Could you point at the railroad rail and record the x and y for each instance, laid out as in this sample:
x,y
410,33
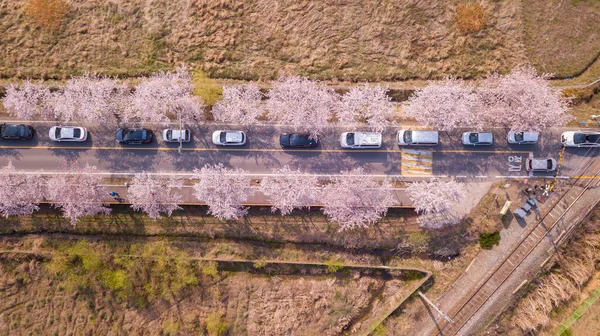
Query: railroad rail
x,y
517,255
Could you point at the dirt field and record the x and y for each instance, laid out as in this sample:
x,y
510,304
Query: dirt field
x,y
257,300
260,39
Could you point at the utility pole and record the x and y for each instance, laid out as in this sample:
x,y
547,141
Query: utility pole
x,y
446,317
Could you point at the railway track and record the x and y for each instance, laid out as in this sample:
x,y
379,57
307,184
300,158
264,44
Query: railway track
x,y
503,270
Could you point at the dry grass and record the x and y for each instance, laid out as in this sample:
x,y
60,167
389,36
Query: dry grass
x,y
353,40
47,14
561,36
470,17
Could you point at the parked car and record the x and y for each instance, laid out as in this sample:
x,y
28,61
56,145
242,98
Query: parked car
x,y
360,140
522,138
16,132
229,138
543,165
173,135
580,139
477,138
134,136
68,133
297,140
418,138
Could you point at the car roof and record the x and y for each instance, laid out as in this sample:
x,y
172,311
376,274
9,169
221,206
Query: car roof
x,y
539,163
233,136
485,137
367,138
425,136
530,136
67,132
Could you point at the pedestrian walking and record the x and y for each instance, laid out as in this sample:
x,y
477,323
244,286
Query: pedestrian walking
x,y
114,194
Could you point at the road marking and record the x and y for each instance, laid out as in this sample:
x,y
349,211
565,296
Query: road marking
x,y
416,162
202,149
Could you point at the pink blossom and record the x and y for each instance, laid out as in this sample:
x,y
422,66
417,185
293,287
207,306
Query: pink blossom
x,y
19,193
223,190
240,105
369,104
154,194
289,189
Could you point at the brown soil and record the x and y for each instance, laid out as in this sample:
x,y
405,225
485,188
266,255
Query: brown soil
x,y
252,39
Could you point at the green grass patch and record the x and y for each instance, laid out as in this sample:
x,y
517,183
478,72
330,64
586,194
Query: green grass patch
x,y
488,240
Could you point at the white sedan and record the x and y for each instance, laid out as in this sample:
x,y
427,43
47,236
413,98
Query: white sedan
x,y
173,135
580,139
68,133
477,138
229,138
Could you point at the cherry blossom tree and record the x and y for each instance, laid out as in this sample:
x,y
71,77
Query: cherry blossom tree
x,y
524,100
240,104
155,194
369,104
223,190
27,100
88,98
288,189
354,200
162,96
435,196
77,192
20,193
446,105
301,103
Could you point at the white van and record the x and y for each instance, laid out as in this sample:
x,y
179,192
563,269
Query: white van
x,y
418,138
360,140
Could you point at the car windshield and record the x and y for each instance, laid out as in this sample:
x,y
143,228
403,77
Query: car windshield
x,y
579,138
223,137
407,137
549,164
169,135
473,137
76,133
57,132
519,136
350,139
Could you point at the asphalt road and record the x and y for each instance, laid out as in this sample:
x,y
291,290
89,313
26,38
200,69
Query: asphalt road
x,y
262,153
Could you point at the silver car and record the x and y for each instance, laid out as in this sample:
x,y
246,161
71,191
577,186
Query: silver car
x,y
544,165
229,138
477,138
522,138
68,133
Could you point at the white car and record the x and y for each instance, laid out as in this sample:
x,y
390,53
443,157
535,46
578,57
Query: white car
x,y
580,139
229,138
173,135
358,140
68,133
477,138
522,138
545,165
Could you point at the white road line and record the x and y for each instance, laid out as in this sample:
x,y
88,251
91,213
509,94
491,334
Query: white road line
x,y
243,174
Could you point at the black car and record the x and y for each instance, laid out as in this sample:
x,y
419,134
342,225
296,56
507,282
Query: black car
x,y
295,140
134,136
16,132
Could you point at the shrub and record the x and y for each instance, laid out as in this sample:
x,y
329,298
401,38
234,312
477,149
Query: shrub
x,y
215,326
206,88
334,265
470,17
211,269
47,14
488,240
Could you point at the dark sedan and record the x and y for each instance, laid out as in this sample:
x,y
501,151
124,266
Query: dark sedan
x,y
134,136
295,140
16,132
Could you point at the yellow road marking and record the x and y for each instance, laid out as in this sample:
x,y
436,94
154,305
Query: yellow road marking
x,y
418,155
199,149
